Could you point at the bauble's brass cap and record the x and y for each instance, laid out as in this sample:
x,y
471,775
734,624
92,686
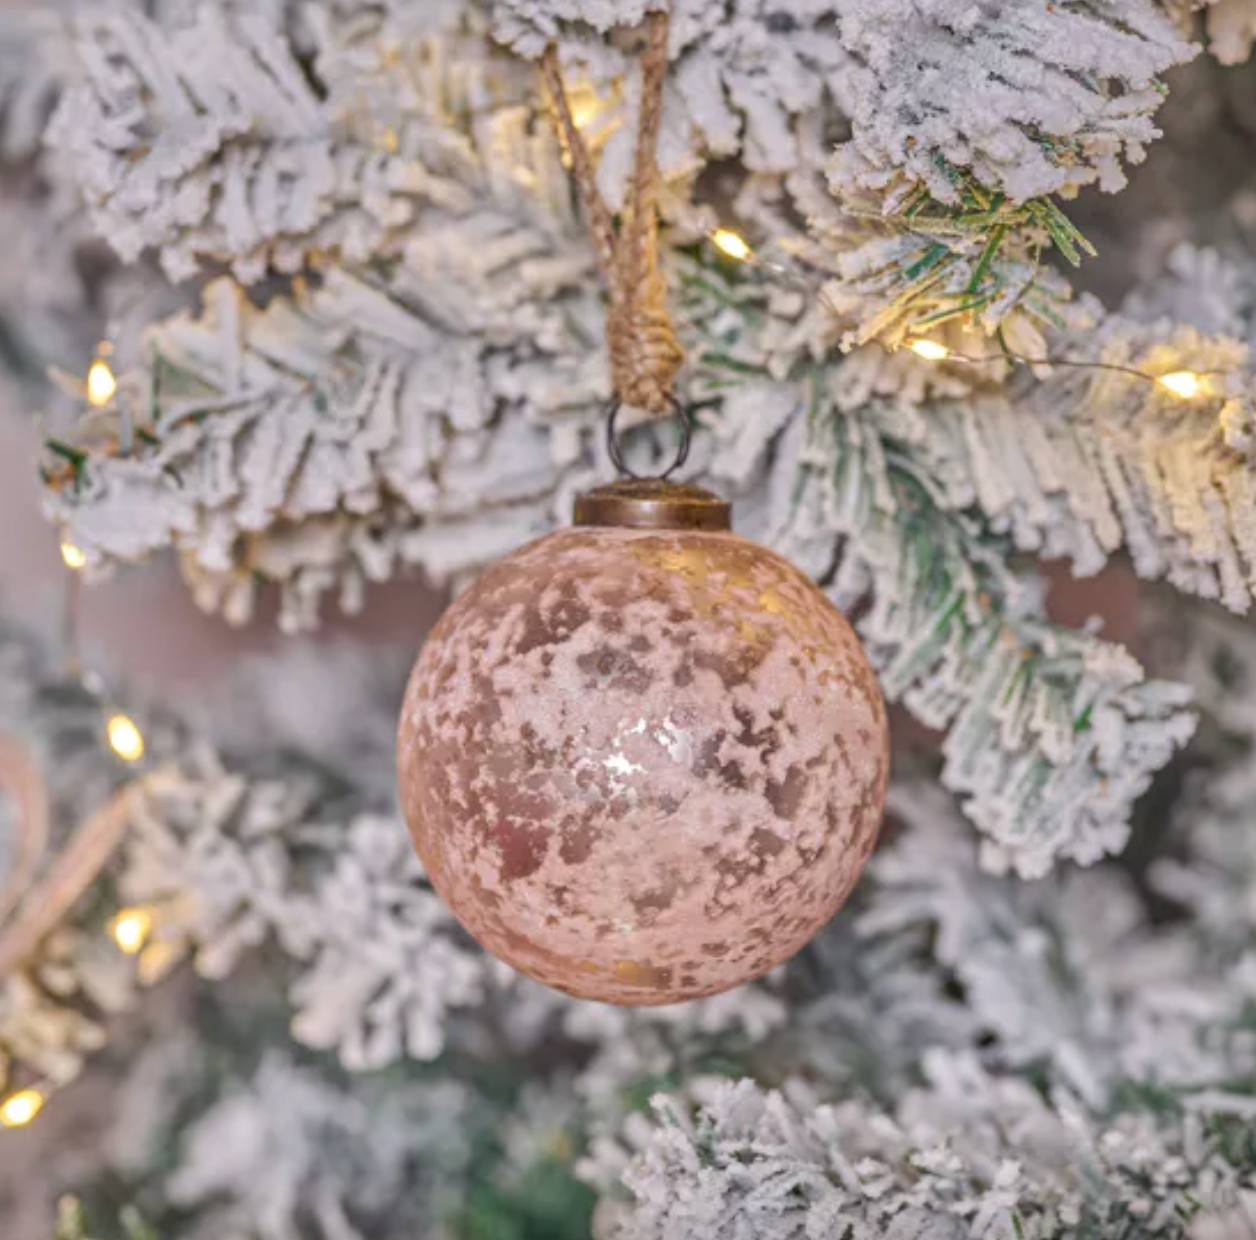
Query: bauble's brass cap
x,y
652,504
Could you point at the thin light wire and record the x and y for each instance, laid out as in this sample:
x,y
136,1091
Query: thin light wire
x,y
71,625
1074,363
753,259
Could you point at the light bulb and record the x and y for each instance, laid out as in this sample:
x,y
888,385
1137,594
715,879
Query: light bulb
x,y
585,109
17,1110
101,385
730,244
125,739
75,557
930,350
131,928
1184,383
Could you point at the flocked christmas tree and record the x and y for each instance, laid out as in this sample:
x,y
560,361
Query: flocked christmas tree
x,y
354,323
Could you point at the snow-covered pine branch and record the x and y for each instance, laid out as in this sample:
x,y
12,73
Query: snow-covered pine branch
x,y
1032,99
305,442
224,137
744,73
1064,981
228,862
917,276
203,143
1082,458
277,1148
270,164
969,1155
1104,459
1052,733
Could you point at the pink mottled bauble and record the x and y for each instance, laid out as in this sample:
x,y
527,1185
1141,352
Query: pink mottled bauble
x,y
643,760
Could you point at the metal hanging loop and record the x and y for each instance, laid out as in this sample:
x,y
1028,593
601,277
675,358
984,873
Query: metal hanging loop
x,y
679,412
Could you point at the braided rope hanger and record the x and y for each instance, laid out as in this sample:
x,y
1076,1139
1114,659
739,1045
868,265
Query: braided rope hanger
x,y
645,354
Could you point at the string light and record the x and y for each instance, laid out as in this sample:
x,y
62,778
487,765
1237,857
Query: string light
x,y
17,1110
930,350
74,556
131,928
585,108
731,244
86,853
125,738
1184,383
101,385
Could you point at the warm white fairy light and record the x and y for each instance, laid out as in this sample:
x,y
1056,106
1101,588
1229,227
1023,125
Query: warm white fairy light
x,y
73,555
131,928
585,108
1184,383
930,350
125,738
101,385
17,1110
731,244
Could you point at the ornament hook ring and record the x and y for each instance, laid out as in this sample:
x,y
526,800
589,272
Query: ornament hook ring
x,y
682,415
